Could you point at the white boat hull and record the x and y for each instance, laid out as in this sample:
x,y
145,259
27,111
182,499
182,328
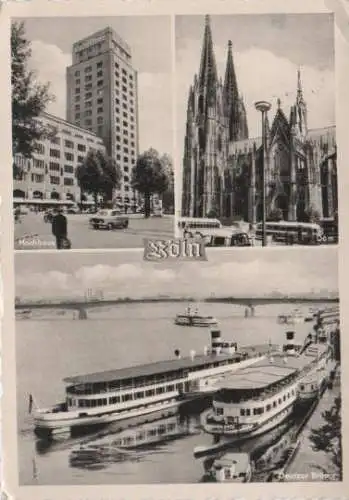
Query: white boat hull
x,y
234,434
195,321
46,427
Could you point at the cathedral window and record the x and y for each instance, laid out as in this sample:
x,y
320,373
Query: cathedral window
x,y
201,104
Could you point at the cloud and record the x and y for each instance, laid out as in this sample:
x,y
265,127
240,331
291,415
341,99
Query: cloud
x,y
260,75
50,62
155,111
253,276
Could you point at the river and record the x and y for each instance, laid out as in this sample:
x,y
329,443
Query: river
x,y
52,345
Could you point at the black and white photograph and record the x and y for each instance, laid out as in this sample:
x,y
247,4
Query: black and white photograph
x,y
92,131
224,371
256,129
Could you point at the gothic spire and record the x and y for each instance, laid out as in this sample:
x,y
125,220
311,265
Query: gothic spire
x,y
299,87
230,82
208,70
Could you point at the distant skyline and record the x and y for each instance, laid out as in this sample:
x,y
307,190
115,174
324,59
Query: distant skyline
x,y
226,273
52,40
268,50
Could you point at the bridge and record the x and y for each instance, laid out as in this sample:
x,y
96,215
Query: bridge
x,y
82,306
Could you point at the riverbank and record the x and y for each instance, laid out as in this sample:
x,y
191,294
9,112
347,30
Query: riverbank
x,y
308,465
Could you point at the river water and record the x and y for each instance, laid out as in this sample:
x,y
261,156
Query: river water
x,y
52,345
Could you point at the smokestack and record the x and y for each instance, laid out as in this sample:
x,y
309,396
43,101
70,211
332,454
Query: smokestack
x,y
177,353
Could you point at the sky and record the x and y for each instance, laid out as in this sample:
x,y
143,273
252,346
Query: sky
x,y
267,50
150,42
125,274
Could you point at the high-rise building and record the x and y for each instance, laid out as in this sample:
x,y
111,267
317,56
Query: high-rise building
x,y
102,97
222,166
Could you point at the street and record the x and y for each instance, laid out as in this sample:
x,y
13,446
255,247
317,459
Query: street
x,y
32,233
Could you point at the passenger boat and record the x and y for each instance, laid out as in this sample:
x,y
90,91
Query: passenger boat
x,y
230,468
100,398
258,398
192,318
294,317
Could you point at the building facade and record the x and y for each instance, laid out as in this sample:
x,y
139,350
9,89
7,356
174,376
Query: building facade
x,y
50,173
222,166
102,97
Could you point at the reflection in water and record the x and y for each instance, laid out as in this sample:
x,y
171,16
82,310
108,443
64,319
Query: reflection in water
x,y
134,444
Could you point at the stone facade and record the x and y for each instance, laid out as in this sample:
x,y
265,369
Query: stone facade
x,y
222,167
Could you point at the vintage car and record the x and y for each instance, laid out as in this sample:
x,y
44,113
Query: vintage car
x,y
109,219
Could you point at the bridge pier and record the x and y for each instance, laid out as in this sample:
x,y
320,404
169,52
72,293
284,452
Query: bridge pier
x,y
82,313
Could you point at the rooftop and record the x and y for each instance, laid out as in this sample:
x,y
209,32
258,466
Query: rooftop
x,y
269,371
157,368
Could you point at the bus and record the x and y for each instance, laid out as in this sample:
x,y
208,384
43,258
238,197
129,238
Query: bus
x,y
213,232
292,232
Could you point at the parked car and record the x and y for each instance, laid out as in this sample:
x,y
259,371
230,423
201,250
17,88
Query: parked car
x,y
109,219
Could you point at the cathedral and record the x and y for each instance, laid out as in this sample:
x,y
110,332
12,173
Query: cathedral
x,y
222,166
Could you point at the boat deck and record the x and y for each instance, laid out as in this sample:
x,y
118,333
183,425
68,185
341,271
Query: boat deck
x,y
162,367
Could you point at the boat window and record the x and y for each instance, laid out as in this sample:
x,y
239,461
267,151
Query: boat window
x,y
219,411
268,407
284,398
248,412
159,390
114,399
150,393
170,388
280,401
242,412
274,404
139,395
127,397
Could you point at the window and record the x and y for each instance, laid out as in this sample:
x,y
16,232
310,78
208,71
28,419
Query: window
x,y
77,117
100,119
88,69
77,107
126,188
242,412
100,130
130,77
88,78
126,150
77,98
54,180
126,169
88,104
124,96
88,123
39,163
80,159
100,83
99,110
117,101
55,153
124,72
55,140
124,114
118,129
114,399
117,65
118,138
88,95
99,74
69,156
88,112
131,110
81,147
125,123
68,181
126,159
124,88
88,86
77,73
118,157
100,64
100,100
68,169
124,79
126,141
77,90
69,144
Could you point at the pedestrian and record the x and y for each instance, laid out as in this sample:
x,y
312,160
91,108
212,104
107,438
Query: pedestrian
x,y
59,228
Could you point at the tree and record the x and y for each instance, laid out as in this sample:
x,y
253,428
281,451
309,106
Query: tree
x,y
149,177
29,99
328,438
98,175
168,196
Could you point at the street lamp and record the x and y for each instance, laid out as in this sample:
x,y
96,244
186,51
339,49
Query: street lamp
x,y
263,107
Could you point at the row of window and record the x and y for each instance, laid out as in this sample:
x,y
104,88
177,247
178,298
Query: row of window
x,y
91,403
99,65
246,412
66,181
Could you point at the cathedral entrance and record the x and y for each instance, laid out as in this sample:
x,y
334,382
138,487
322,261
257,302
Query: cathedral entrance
x,y
281,204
